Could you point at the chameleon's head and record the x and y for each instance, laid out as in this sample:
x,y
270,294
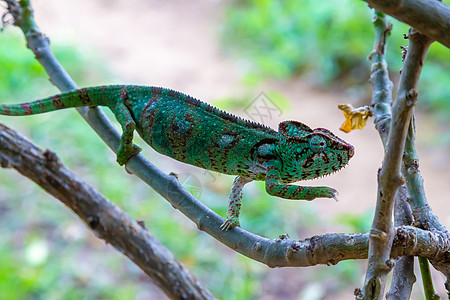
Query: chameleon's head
x,y
307,153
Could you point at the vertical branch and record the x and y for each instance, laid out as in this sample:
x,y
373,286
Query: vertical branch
x,y
389,177
423,215
403,276
381,107
379,78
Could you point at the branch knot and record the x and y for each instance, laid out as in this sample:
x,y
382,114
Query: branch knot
x,y
411,97
378,234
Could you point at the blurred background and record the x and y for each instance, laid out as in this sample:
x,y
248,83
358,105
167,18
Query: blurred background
x,y
265,60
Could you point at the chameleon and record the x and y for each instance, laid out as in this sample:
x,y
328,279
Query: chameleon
x,y
194,132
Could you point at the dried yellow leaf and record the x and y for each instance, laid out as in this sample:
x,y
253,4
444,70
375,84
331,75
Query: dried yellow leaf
x,y
355,118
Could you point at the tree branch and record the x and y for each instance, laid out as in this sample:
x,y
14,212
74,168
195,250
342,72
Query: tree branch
x,y
430,17
100,215
393,134
379,78
381,234
423,214
403,276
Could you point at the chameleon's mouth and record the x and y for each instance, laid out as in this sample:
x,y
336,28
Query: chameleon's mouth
x,y
351,151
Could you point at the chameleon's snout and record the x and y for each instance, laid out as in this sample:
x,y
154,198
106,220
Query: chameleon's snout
x,y
351,151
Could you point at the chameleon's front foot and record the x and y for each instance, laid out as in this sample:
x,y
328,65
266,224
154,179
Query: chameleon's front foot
x,y
123,155
229,224
330,193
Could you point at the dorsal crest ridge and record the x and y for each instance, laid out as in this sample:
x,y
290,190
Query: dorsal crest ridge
x,y
224,115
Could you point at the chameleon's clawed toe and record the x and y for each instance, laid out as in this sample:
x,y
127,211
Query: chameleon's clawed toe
x,y
229,224
335,196
332,193
135,150
121,160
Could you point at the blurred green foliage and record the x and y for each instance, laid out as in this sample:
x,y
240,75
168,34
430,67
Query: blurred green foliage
x,y
355,223
329,41
21,76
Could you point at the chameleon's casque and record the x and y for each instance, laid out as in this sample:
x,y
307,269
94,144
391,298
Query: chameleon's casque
x,y
199,134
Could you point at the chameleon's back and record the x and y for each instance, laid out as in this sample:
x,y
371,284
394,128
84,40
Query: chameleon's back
x,y
196,133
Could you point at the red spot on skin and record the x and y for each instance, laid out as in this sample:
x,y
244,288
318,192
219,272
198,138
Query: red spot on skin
x,y
27,110
84,97
296,192
325,158
272,177
148,118
270,185
317,173
41,106
6,109
57,102
124,95
309,161
156,91
173,94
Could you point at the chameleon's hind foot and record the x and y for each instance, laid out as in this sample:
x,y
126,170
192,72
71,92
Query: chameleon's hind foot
x,y
229,224
123,155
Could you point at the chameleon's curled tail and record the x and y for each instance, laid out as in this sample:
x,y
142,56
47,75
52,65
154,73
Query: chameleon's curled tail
x,y
77,98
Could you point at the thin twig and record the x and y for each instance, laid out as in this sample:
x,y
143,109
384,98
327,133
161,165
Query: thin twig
x,y
403,276
379,78
428,288
423,214
414,183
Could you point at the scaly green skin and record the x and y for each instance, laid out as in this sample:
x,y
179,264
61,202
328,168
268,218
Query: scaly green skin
x,y
196,133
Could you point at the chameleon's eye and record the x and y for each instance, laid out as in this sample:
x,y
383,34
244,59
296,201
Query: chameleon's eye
x,y
317,144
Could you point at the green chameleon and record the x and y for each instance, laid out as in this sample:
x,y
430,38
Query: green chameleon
x,y
199,134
